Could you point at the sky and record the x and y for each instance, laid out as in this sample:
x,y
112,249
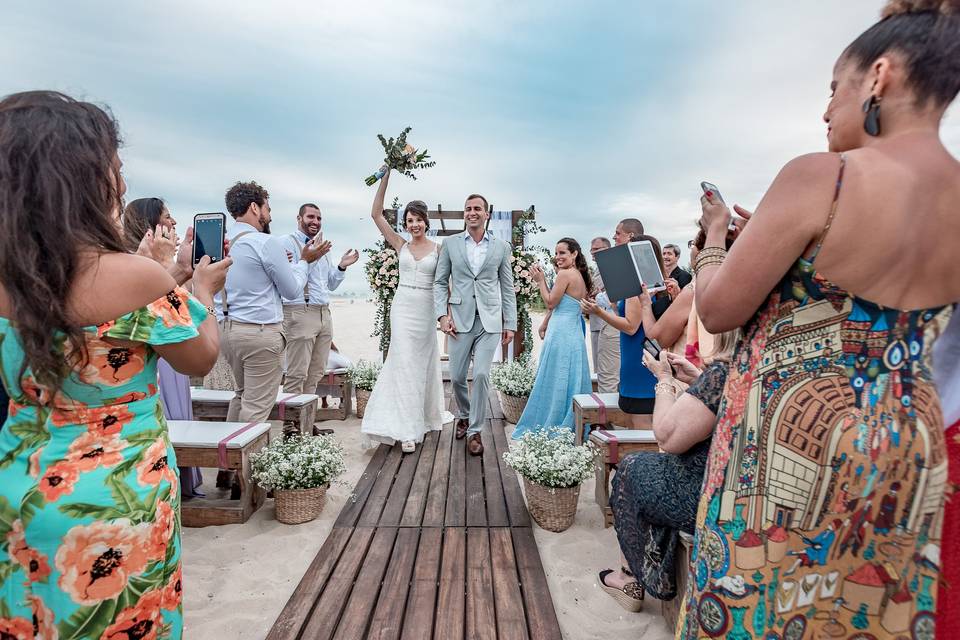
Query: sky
x,y
591,111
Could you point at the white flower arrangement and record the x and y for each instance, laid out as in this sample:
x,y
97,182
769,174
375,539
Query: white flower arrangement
x,y
298,462
515,378
550,458
364,374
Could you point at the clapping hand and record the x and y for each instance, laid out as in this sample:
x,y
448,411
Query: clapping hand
x,y
315,249
158,245
673,287
536,272
349,258
589,306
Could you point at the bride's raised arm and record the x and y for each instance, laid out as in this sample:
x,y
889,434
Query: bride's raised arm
x,y
391,236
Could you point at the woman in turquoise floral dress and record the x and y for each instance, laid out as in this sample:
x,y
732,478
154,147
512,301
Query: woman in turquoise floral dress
x,y
89,500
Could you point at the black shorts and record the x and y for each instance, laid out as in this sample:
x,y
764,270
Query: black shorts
x,y
636,406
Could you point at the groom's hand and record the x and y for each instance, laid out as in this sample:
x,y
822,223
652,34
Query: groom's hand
x,y
448,327
507,337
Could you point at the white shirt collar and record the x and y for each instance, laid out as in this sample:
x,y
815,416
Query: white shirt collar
x,y
245,226
486,237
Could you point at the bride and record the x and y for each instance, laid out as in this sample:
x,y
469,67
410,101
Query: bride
x,y
407,400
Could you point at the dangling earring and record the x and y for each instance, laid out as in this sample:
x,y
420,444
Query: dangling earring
x,y
871,122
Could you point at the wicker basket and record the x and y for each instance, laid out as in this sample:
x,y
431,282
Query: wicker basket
x,y
513,406
553,509
295,506
362,396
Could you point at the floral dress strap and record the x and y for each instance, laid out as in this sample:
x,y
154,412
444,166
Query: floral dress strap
x,y
175,317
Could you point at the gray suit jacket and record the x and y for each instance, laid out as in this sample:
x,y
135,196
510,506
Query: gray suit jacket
x,y
489,292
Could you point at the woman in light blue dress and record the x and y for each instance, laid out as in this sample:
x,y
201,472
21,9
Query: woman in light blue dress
x,y
564,370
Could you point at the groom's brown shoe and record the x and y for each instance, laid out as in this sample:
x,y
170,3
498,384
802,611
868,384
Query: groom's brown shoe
x,y
475,445
462,425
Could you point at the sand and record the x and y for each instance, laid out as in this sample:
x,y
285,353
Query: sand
x,y
237,578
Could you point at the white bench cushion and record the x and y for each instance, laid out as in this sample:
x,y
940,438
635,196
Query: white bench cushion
x,y
586,401
216,395
625,436
207,435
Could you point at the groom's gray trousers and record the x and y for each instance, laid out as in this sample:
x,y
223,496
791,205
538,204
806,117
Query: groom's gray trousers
x,y
473,406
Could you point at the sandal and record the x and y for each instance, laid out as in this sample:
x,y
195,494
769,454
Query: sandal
x,y
630,597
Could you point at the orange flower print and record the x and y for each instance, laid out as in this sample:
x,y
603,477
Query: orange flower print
x,y
17,542
33,467
161,531
105,421
16,629
97,560
92,450
173,592
34,563
102,329
141,621
44,626
172,309
111,364
58,480
154,467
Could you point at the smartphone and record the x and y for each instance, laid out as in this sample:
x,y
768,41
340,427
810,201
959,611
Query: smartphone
x,y
707,186
208,233
652,347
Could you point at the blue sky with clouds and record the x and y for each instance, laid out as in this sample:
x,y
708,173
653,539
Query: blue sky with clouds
x,y
591,111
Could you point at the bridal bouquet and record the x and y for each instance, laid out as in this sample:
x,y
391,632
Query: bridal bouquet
x,y
401,157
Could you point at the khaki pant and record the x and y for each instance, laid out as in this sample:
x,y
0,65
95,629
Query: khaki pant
x,y
255,354
309,332
608,360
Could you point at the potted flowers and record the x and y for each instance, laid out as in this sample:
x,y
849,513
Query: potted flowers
x,y
552,467
514,381
298,469
363,374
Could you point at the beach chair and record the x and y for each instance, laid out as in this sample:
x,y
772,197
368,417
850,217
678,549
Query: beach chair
x,y
612,446
336,383
299,409
219,445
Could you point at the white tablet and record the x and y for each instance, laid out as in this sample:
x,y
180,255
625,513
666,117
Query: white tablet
x,y
647,266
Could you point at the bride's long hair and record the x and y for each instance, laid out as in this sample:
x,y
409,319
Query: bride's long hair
x,y
580,262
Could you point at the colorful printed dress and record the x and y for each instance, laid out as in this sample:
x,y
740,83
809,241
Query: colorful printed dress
x,y
823,498
89,499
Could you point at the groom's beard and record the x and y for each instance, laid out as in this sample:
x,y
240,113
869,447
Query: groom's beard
x,y
264,225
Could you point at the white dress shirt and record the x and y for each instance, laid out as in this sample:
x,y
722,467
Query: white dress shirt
x,y
322,275
476,251
259,276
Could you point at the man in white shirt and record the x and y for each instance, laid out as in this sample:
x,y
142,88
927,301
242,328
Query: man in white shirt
x,y
253,339
596,323
306,316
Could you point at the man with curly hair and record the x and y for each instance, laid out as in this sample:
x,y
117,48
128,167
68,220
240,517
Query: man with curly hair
x,y
263,273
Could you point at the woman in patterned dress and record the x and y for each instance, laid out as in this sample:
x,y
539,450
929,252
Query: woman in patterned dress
x,y
89,500
831,387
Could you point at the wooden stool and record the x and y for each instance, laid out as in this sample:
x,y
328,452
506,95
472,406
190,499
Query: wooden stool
x,y
595,409
670,609
300,409
593,382
219,445
612,446
335,383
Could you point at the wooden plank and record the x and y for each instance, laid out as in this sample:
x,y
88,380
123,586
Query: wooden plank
x,y
326,615
493,484
437,495
401,489
456,488
381,489
388,614
450,600
299,606
473,488
418,620
516,507
366,590
417,497
354,507
496,410
480,616
511,620
541,615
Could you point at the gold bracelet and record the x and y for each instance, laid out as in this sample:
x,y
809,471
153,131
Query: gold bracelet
x,y
700,266
718,252
664,387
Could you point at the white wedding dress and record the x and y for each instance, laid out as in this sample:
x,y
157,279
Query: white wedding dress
x,y
407,401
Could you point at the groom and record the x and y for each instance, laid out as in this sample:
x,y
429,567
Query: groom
x,y
480,308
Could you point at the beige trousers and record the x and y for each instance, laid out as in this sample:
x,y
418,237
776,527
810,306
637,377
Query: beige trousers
x,y
309,332
608,360
255,354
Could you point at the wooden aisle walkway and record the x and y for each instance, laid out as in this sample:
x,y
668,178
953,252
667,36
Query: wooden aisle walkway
x,y
437,544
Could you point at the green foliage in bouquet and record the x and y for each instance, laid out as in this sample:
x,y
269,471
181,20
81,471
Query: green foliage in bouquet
x,y
522,258
401,157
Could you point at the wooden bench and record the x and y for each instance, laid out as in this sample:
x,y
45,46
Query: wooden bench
x,y
593,382
219,445
335,383
612,446
670,609
300,409
587,410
